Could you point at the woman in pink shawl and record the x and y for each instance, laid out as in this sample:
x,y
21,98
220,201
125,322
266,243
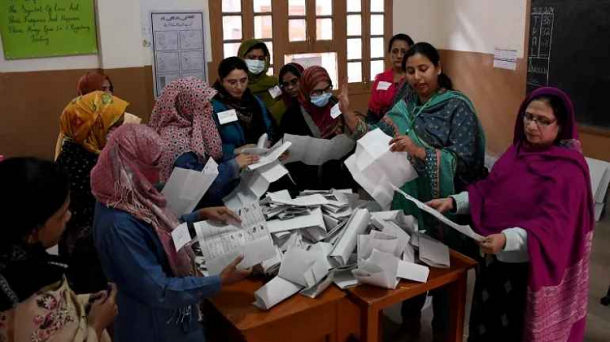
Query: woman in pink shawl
x,y
159,287
183,118
535,210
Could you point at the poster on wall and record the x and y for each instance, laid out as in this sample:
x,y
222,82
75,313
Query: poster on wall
x,y
178,47
47,28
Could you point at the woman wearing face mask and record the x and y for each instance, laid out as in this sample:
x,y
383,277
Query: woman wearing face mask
x,y
438,128
258,59
536,212
290,76
159,288
36,301
312,118
85,123
388,82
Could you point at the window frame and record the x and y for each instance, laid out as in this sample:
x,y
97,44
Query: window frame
x,y
280,36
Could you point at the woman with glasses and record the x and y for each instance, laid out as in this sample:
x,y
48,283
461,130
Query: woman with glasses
x,y
439,129
290,76
313,118
388,82
258,59
536,212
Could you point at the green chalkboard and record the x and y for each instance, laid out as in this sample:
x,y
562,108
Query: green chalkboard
x,y
46,28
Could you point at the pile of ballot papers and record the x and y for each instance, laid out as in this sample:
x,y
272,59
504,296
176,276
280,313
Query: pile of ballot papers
x,y
311,241
317,238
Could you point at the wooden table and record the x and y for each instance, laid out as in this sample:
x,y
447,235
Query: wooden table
x,y
372,300
332,317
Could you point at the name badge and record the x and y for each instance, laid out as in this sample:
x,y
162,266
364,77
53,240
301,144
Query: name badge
x,y
335,111
382,85
275,92
227,116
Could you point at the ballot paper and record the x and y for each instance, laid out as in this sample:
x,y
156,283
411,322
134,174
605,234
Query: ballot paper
x,y
185,188
433,252
274,292
221,244
379,270
305,201
315,151
377,169
412,271
261,146
254,184
317,289
464,229
270,156
382,242
346,244
313,219
402,244
398,217
303,267
344,278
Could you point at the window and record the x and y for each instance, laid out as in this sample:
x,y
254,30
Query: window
x,y
347,37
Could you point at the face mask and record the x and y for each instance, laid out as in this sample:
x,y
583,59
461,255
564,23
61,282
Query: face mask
x,y
321,100
255,66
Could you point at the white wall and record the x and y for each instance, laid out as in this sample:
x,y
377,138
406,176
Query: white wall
x,y
464,25
123,37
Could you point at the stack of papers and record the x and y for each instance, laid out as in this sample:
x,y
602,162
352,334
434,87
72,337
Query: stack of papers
x,y
314,151
376,168
254,184
185,188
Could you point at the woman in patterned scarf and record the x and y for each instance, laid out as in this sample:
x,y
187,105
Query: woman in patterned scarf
x,y
36,301
159,287
183,118
85,124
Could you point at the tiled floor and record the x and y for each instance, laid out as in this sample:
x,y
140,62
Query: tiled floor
x,y
598,320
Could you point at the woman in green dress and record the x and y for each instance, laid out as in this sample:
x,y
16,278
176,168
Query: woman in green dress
x,y
438,128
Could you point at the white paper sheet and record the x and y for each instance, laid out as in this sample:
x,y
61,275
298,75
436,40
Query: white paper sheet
x,y
296,264
412,271
185,188
314,151
381,242
433,253
272,155
372,274
318,288
221,244
464,229
254,184
305,201
313,219
344,278
347,242
390,228
376,168
274,292
181,236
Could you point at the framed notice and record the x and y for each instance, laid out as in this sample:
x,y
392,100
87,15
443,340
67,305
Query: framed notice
x,y
178,47
47,28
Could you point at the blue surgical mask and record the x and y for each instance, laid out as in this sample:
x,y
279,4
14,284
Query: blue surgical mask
x,y
255,66
321,100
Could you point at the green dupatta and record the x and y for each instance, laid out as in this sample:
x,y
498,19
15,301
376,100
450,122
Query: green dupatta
x,y
438,179
259,84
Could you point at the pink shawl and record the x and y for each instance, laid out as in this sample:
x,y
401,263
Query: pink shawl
x,y
118,181
547,192
183,118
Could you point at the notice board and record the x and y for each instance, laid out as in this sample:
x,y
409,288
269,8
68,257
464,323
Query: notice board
x,y
47,28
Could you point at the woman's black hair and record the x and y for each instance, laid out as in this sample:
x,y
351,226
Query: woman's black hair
x,y
402,37
289,68
229,64
33,190
432,54
559,109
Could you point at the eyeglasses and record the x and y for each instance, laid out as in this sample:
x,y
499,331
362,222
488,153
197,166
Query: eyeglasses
x,y
319,92
293,82
541,122
234,83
